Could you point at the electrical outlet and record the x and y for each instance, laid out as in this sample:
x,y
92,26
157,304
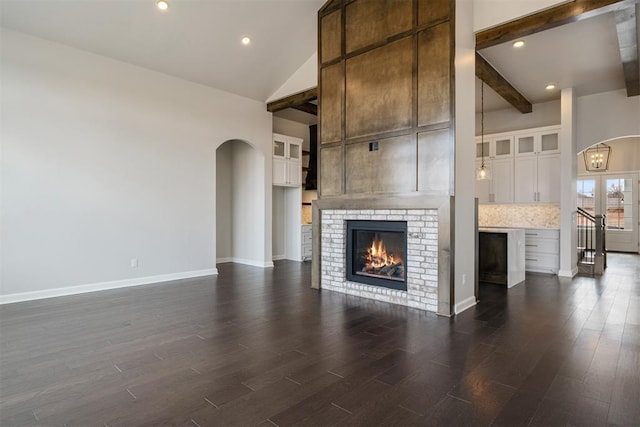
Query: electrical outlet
x,y
464,279
134,262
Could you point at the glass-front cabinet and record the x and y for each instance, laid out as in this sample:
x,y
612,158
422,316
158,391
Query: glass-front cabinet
x,y
545,142
524,166
537,166
287,161
498,158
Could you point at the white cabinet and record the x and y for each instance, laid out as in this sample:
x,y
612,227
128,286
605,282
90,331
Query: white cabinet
x,y
287,161
498,189
542,250
306,242
495,147
524,166
537,167
498,158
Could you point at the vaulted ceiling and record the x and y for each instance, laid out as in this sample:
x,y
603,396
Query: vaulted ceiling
x,y
197,40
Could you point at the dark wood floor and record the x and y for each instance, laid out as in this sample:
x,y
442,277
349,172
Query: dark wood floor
x,y
259,347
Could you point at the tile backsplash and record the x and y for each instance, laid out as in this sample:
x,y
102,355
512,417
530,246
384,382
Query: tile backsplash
x,y
520,216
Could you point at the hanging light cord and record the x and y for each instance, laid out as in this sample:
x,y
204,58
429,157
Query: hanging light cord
x,y
482,121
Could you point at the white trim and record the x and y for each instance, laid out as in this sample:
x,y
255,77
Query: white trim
x,y
464,304
568,273
103,286
245,262
278,257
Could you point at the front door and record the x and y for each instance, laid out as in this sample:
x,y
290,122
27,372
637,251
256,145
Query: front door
x,y
616,196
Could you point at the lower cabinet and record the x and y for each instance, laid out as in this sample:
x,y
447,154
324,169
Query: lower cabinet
x,y
542,250
306,242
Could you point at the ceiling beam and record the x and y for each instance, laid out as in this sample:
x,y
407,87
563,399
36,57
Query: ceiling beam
x,y
556,16
627,28
293,100
489,75
307,107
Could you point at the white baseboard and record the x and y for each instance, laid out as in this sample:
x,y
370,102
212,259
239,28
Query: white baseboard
x,y
103,286
568,273
244,261
278,257
465,304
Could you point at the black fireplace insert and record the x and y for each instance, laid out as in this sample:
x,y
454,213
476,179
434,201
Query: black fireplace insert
x,y
376,253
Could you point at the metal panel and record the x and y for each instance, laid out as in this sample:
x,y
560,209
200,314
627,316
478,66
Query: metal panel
x,y
433,162
331,33
372,21
331,93
390,169
446,267
379,89
431,11
331,171
434,80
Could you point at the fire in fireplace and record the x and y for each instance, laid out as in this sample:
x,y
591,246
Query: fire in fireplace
x,y
376,253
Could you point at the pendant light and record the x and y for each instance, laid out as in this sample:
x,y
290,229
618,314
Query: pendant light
x,y
482,172
596,159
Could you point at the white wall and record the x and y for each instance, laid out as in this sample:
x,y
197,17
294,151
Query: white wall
x,y
625,156
247,168
306,77
510,119
291,128
104,161
224,202
278,229
489,13
607,115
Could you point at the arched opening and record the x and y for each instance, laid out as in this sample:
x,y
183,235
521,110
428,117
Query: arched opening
x,y
614,192
240,204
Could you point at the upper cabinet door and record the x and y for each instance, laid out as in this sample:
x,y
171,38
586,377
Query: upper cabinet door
x,y
279,148
502,180
295,150
525,145
502,147
549,142
525,179
549,178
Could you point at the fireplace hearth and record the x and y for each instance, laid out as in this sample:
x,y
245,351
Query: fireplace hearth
x,y
376,253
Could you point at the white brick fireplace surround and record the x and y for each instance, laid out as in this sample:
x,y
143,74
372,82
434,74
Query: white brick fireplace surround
x,y
421,259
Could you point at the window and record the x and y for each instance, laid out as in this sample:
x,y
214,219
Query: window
x,y
618,207
586,197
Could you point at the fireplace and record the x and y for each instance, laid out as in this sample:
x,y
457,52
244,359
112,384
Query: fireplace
x,y
336,269
376,253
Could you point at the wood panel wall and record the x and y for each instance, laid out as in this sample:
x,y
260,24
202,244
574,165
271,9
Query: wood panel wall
x,y
385,77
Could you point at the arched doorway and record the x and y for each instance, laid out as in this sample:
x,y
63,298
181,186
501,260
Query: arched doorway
x,y
614,193
240,204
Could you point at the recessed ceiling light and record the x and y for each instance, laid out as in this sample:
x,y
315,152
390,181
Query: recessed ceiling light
x,y
550,86
246,40
518,44
162,4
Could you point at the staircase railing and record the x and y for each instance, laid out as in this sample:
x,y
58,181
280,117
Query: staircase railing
x,y
592,252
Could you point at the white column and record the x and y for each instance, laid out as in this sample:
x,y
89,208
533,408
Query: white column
x,y
568,191
464,187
